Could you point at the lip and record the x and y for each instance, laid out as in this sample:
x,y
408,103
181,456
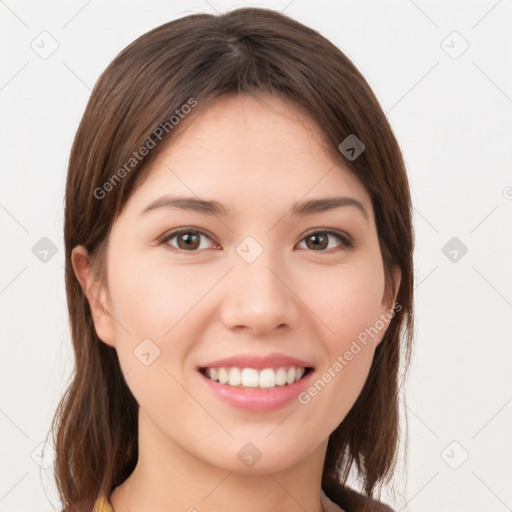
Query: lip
x,y
255,399
273,360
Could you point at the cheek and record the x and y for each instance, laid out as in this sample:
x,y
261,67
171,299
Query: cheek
x,y
347,300
161,303
151,299
348,313
153,307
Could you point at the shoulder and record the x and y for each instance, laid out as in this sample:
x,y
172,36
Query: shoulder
x,y
349,500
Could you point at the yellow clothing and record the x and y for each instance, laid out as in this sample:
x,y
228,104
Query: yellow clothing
x,y
102,504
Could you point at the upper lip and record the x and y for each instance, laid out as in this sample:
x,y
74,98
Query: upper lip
x,y
257,362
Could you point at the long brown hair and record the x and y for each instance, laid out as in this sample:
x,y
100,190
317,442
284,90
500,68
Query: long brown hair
x,y
202,56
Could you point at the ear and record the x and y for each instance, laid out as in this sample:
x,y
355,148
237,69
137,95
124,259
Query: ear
x,y
388,301
96,294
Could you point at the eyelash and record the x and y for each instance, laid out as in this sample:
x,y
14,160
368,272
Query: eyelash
x,y
346,242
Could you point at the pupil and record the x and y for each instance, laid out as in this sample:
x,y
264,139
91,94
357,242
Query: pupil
x,y
189,239
317,240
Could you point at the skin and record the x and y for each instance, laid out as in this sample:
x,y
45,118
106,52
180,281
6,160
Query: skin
x,y
258,159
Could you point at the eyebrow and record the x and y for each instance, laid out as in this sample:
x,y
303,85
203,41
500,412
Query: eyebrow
x,y
210,207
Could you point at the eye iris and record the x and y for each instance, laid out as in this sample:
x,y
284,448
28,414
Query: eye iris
x,y
191,240
194,238
317,237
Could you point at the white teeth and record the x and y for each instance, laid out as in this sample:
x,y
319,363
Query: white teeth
x,y
249,378
223,376
252,378
281,377
290,376
235,377
267,378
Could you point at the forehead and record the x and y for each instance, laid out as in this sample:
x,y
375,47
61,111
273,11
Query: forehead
x,y
248,154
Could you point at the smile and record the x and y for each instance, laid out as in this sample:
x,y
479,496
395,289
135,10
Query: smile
x,y
265,378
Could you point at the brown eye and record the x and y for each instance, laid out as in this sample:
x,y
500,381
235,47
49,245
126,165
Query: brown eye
x,y
186,240
319,240
190,241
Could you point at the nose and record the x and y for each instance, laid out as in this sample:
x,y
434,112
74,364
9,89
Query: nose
x,y
258,298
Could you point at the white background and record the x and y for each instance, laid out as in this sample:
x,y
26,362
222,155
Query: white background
x,y
452,118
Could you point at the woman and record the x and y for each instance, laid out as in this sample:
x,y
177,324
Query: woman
x,y
239,276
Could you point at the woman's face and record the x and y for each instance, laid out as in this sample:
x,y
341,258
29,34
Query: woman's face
x,y
249,277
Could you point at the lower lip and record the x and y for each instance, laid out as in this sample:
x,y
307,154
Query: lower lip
x,y
255,399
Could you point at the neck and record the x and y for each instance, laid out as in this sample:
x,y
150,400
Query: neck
x,y
172,480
